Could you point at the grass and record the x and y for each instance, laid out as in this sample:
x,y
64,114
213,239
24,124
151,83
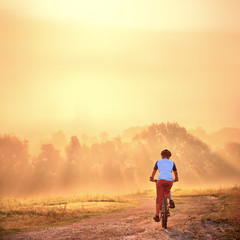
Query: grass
x,y
229,202
228,209
21,214
33,213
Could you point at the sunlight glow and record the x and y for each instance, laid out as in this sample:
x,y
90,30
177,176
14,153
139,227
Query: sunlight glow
x,y
153,14
121,63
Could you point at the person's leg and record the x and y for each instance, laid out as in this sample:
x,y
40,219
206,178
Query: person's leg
x,y
169,196
158,200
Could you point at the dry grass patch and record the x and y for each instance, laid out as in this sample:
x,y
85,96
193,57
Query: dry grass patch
x,y
20,214
228,209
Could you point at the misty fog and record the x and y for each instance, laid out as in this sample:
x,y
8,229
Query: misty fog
x,y
114,165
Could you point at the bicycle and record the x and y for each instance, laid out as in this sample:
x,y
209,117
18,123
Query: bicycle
x,y
164,206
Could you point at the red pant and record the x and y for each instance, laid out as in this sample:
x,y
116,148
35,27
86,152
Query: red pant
x,y
160,190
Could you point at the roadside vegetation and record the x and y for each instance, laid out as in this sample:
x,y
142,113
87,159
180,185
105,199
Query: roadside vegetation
x,y
229,211
228,208
32,213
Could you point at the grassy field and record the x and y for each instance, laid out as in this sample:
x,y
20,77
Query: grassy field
x,y
22,214
229,199
32,213
228,210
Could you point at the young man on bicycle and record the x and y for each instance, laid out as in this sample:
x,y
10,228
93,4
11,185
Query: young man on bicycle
x,y
165,168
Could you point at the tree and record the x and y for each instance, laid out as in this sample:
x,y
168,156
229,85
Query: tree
x,y
76,168
14,161
47,167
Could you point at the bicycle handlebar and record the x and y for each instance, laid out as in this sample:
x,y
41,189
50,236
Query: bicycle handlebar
x,y
153,180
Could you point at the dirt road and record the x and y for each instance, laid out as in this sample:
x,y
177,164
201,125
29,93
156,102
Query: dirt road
x,y
186,222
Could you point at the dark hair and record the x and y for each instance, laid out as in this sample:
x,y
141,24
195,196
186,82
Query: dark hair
x,y
166,153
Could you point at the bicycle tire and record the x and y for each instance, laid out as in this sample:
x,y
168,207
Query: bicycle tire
x,y
163,218
164,213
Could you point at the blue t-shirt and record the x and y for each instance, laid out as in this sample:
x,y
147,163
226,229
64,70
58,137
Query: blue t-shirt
x,y
165,168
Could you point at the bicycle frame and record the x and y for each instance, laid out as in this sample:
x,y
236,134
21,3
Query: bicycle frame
x,y
164,207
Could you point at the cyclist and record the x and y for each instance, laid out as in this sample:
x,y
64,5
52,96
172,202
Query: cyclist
x,y
165,168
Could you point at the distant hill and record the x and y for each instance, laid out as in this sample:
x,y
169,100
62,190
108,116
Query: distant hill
x,y
219,138
131,132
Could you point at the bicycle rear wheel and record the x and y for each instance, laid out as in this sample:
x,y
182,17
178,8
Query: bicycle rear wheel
x,y
164,213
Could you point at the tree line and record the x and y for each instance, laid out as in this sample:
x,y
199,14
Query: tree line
x,y
112,165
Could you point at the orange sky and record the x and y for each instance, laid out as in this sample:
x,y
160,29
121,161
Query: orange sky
x,y
92,66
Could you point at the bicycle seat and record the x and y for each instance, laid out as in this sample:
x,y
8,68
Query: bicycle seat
x,y
165,185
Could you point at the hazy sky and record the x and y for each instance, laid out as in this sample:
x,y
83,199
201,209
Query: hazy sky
x,y
92,66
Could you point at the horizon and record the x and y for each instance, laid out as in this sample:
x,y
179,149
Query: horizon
x,y
35,143
28,134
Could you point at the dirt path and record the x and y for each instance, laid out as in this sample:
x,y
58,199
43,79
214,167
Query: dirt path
x,y
185,222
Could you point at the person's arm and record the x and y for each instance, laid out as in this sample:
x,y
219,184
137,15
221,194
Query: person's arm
x,y
176,176
175,172
153,174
